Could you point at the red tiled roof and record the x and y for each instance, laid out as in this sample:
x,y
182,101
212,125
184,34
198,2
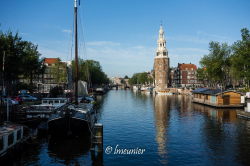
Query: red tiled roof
x,y
51,60
183,66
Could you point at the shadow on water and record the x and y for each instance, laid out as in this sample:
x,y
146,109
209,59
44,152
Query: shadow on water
x,y
68,150
73,151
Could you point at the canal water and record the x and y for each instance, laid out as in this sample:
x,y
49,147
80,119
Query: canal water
x,y
141,129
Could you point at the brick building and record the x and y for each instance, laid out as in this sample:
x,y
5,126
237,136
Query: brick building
x,y
55,74
185,75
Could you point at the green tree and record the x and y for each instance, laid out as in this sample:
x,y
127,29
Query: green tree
x,y
91,72
12,47
202,75
21,59
32,65
126,77
241,58
140,78
217,63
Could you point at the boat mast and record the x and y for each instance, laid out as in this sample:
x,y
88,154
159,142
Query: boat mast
x,y
76,53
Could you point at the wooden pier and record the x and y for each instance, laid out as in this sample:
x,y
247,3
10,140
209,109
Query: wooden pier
x,y
243,114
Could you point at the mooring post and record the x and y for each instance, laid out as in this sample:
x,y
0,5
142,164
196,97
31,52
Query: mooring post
x,y
7,99
97,144
98,140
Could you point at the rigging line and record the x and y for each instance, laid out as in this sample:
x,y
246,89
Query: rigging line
x,y
84,49
70,41
72,38
82,32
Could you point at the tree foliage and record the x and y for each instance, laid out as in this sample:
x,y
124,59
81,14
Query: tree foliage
x,y
240,59
140,78
226,64
91,72
217,62
21,59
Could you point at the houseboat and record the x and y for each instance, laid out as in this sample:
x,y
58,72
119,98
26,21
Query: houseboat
x,y
217,98
245,113
11,135
44,109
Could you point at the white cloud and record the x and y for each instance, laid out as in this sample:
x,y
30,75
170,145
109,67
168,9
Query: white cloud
x,y
103,43
118,59
200,37
188,50
66,31
186,55
191,39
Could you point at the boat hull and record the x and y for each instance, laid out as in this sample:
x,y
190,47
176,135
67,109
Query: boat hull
x,y
71,126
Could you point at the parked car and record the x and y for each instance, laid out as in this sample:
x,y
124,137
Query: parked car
x,y
23,91
27,97
17,98
10,101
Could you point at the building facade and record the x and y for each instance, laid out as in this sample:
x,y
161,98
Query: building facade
x,y
161,64
185,75
55,75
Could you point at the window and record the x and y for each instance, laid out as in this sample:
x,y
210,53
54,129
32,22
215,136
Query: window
x,y
10,139
1,143
61,101
56,101
206,97
19,132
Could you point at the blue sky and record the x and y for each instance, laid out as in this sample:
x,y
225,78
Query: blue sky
x,y
122,34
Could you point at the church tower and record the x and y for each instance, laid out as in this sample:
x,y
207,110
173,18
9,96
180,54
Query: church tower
x,y
161,64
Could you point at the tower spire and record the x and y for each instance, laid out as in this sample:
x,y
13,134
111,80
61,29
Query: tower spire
x,y
161,64
161,48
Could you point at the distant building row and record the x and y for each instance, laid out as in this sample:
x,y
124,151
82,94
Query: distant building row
x,y
56,73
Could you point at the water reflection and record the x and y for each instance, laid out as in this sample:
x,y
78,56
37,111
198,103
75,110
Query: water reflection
x,y
226,115
243,143
173,130
221,138
161,114
225,136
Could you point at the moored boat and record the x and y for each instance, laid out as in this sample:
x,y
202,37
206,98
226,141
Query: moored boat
x,y
45,109
76,120
11,135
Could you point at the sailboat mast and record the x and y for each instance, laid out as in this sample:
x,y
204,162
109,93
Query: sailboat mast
x,y
76,53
